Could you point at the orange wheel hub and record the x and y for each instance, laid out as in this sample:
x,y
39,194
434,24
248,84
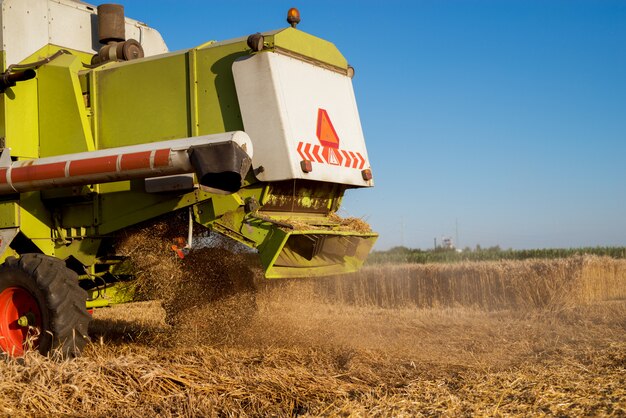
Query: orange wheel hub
x,y
19,311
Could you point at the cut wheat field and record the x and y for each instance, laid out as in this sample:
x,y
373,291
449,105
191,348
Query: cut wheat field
x,y
542,338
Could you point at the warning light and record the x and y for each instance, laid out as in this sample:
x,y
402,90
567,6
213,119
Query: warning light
x,y
306,166
367,174
326,131
293,17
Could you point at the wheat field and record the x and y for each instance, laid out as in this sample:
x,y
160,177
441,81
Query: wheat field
x,y
543,338
516,285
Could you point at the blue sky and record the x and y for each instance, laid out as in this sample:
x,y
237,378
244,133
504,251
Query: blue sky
x,y
507,118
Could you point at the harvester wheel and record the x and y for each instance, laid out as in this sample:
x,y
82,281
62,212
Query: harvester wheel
x,y
41,306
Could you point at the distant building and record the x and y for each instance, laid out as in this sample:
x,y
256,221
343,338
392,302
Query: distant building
x,y
447,243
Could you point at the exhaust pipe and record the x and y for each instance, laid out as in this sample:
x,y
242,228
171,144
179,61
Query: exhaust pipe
x,y
9,79
112,34
111,23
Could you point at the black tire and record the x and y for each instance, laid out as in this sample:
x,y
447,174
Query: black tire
x,y
64,317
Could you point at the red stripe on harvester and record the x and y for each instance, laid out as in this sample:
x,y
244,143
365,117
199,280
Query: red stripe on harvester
x,y
362,160
96,165
3,175
347,161
307,149
162,158
316,150
38,172
135,160
300,144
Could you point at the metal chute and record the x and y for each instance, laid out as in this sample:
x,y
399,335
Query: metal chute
x,y
220,161
316,253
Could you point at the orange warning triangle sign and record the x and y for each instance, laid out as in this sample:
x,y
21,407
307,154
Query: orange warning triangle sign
x,y
325,130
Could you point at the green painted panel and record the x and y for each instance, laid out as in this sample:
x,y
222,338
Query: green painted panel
x,y
20,108
112,295
84,250
9,214
217,104
142,101
45,245
122,209
36,221
308,45
77,215
21,119
63,124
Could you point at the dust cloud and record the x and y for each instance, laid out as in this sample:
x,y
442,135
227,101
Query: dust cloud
x,y
217,296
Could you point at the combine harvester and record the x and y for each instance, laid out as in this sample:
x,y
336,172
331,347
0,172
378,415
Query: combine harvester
x,y
101,128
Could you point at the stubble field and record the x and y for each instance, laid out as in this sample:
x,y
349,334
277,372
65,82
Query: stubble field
x,y
491,339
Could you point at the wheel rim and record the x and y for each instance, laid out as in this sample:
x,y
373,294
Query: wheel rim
x,y
19,313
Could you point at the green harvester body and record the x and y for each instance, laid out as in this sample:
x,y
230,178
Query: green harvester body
x,y
79,111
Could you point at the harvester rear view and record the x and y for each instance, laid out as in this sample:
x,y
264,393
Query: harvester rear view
x,y
102,129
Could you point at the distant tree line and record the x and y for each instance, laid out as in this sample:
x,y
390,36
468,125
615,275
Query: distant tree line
x,y
442,255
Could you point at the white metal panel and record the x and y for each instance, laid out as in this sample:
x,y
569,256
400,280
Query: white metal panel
x,y
6,237
149,38
280,99
28,25
24,28
72,24
84,29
